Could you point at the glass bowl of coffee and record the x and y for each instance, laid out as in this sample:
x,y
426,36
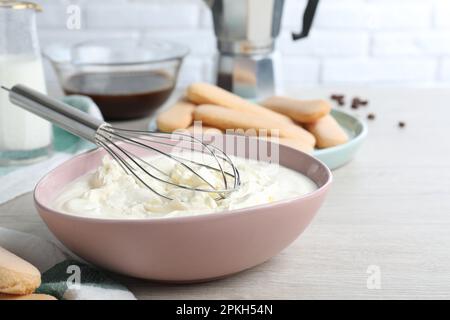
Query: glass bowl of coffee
x,y
126,78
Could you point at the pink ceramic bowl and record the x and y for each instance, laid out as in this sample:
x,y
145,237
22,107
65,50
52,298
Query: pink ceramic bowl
x,y
183,249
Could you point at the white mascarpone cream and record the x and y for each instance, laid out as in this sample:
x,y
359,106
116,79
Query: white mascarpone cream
x,y
109,192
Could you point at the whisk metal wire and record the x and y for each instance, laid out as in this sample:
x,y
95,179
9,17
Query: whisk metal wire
x,y
117,140
136,137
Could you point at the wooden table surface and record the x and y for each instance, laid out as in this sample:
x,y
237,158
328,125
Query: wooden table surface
x,y
388,214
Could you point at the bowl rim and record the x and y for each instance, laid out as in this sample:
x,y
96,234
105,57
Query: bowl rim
x,y
356,139
181,52
186,218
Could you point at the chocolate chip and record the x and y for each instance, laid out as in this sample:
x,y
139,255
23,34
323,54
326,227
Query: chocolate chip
x,y
371,116
358,102
401,124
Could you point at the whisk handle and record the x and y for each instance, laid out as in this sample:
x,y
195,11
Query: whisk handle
x,y
68,118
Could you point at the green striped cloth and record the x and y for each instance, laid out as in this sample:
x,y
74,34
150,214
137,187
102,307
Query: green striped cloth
x,y
74,280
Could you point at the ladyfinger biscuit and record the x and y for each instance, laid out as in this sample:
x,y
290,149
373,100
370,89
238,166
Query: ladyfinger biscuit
x,y
204,130
303,111
33,296
328,132
179,116
293,143
224,119
17,276
205,93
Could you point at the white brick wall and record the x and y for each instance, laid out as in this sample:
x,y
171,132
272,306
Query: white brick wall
x,y
353,41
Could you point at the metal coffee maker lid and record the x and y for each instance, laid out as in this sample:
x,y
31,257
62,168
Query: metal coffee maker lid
x,y
246,31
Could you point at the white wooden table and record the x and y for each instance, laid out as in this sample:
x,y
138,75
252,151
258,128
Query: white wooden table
x,y
389,209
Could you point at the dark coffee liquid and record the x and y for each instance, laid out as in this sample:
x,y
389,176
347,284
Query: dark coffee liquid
x,y
123,95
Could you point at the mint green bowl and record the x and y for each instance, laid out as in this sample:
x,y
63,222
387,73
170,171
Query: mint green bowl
x,y
338,156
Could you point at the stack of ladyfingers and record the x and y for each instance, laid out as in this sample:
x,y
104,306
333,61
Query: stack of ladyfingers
x,y
300,124
19,279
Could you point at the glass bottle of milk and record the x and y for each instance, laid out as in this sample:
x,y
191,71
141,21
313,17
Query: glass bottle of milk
x,y
24,137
